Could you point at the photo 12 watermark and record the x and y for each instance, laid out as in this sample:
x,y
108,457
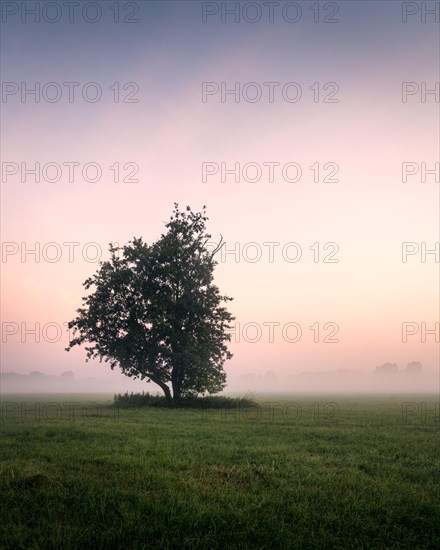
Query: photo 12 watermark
x,y
69,92
269,172
270,12
35,332
116,11
269,92
275,252
420,172
290,332
69,171
420,412
421,331
423,92
421,252
53,252
14,412
422,12
290,412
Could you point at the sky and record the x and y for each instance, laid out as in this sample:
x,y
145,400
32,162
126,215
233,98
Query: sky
x,y
310,130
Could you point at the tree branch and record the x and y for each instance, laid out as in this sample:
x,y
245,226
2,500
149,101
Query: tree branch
x,y
217,248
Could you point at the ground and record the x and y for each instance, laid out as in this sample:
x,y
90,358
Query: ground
x,y
297,472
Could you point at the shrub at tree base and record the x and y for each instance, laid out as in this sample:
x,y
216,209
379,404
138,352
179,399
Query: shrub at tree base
x,y
129,400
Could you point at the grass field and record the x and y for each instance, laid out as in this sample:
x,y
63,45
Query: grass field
x,y
295,472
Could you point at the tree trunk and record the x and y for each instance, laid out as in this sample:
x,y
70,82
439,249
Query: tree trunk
x,y
176,392
166,391
176,383
164,387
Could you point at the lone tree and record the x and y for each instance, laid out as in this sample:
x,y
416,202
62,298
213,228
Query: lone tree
x,y
156,313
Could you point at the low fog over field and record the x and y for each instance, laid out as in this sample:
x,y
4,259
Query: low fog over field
x,y
385,378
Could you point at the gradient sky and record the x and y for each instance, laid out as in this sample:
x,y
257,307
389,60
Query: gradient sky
x,y
169,133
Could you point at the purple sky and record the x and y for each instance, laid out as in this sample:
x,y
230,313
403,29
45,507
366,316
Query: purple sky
x,y
351,132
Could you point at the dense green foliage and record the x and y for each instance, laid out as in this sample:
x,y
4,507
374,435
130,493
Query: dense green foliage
x,y
156,313
192,478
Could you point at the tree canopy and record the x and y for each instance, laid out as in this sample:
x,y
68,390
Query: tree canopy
x,y
155,312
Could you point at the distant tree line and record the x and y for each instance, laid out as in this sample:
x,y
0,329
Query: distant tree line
x,y
415,367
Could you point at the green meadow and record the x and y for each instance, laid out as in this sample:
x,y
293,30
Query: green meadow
x,y
291,472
